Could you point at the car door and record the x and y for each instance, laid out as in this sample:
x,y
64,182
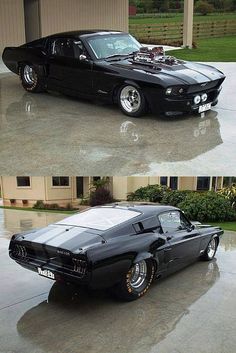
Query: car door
x,y
182,237
70,67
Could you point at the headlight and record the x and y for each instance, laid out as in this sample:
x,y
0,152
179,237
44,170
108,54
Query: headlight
x,y
204,97
169,91
177,90
197,99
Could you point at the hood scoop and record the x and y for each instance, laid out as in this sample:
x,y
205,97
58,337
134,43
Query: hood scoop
x,y
154,58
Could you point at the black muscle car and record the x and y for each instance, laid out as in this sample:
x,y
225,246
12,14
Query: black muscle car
x,y
113,66
121,247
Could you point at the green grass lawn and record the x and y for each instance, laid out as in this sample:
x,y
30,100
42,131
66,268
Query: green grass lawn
x,y
170,18
212,49
225,225
38,210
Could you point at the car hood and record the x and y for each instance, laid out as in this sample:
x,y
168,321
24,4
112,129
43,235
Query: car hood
x,y
69,238
183,73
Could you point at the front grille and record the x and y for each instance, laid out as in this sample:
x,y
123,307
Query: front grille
x,y
204,87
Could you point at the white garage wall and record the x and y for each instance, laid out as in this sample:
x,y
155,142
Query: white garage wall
x,y
66,15
12,27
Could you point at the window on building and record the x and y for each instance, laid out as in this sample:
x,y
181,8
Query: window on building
x,y
228,181
96,178
23,181
164,181
203,183
60,181
174,183
79,187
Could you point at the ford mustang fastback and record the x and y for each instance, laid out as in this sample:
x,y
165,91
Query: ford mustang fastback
x,y
115,67
119,247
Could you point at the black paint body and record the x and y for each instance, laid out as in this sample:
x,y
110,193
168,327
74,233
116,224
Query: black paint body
x,y
99,78
109,254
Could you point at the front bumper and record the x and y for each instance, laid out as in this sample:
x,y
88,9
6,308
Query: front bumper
x,y
178,105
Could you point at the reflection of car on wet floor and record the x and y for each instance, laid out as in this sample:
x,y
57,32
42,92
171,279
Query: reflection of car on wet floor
x,y
69,319
120,247
187,139
114,67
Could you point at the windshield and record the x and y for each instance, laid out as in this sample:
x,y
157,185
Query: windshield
x,y
102,218
105,46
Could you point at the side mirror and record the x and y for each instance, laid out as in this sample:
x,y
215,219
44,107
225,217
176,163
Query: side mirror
x,y
82,57
191,228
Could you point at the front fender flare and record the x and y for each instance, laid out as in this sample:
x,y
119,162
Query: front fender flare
x,y
133,83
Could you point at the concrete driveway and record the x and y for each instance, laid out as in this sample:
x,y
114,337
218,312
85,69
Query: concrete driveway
x,y
191,311
53,134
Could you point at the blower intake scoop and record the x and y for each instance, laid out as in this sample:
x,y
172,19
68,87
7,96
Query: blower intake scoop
x,y
155,55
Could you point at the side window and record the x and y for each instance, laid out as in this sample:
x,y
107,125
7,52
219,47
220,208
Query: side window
x,y
173,221
69,48
63,47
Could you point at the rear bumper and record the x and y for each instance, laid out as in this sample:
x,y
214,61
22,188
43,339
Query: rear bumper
x,y
61,274
104,276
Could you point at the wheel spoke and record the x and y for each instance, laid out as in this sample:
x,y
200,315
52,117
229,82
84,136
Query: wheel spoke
x,y
130,99
29,75
138,274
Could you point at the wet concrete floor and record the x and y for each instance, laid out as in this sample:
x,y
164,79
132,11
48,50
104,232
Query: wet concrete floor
x,y
191,311
52,134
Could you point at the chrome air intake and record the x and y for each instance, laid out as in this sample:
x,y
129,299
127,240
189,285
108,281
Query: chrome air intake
x,y
80,266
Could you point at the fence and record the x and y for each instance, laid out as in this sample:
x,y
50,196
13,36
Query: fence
x,y
173,32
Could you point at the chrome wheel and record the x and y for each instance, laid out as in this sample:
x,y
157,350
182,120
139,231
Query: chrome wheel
x,y
130,99
138,274
211,249
30,76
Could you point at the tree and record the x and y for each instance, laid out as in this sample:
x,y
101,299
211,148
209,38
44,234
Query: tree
x,y
161,5
203,7
218,4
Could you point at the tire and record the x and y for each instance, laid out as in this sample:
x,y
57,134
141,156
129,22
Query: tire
x,y
30,79
131,101
210,251
135,285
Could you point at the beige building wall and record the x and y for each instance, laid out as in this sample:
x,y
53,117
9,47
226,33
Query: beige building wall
x,y
67,15
44,17
187,183
122,186
58,193
10,190
12,26
120,189
41,188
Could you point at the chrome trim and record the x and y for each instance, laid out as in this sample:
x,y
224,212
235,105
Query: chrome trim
x,y
138,274
130,99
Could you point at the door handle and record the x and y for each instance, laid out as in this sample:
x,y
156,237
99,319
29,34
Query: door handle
x,y
168,249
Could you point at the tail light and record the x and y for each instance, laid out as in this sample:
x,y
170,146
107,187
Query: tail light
x,y
80,267
19,251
